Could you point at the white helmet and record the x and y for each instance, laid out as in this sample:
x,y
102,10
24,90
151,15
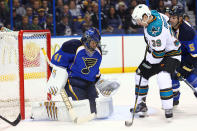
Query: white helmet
x,y
139,11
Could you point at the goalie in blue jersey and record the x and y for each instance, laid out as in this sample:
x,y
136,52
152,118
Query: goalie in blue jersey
x,y
79,62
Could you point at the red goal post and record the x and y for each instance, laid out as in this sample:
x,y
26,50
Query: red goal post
x,y
21,61
21,52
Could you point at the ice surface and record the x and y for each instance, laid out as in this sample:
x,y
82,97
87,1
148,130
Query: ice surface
x,y
185,115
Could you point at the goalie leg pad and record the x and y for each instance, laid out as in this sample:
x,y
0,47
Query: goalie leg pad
x,y
104,107
57,110
57,80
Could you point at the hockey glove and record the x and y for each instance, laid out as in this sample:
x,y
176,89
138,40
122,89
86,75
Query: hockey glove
x,y
169,64
184,70
107,88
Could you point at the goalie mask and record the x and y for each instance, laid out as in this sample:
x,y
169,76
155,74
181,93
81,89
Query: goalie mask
x,y
91,34
138,13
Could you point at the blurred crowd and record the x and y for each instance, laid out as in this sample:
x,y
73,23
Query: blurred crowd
x,y
73,17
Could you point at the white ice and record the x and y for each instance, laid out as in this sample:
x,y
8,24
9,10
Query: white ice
x,y
185,115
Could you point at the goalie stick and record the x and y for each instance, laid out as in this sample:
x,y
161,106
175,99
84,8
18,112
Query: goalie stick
x,y
15,122
68,104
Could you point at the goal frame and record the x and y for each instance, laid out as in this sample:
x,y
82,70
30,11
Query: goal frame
x,y
21,64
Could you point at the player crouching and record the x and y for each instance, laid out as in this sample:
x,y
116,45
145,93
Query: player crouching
x,y
75,73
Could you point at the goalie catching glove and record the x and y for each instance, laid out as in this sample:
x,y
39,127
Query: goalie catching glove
x,y
107,88
57,80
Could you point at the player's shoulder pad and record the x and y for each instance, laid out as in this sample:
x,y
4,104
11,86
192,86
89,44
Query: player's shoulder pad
x,y
155,27
187,32
71,46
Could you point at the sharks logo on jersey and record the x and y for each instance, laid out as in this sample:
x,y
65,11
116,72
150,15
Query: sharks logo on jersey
x,y
155,30
155,27
89,62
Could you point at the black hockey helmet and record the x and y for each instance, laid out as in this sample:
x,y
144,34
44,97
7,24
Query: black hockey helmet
x,y
176,11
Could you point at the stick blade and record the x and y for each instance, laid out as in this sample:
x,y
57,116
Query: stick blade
x,y
80,120
128,123
18,119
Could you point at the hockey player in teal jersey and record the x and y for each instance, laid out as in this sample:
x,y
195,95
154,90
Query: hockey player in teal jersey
x,y
162,58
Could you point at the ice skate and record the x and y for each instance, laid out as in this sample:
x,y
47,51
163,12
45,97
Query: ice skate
x,y
141,110
169,114
175,103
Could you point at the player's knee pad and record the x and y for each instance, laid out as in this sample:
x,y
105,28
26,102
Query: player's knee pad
x,y
164,80
192,79
142,90
166,94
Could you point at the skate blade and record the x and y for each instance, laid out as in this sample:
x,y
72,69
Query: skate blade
x,y
169,120
142,114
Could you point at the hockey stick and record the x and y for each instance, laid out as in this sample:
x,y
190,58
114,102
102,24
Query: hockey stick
x,y
67,102
185,80
15,122
129,123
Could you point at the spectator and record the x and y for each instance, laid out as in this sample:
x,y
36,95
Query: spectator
x,y
89,10
16,19
64,27
59,10
132,4
4,13
48,24
95,18
36,6
85,5
87,23
35,22
45,6
114,22
77,16
42,16
176,3
122,8
24,25
28,3
66,12
167,3
19,9
119,2
29,13
161,7
129,26
76,13
104,6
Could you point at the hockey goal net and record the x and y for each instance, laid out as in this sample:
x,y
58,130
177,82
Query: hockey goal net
x,y
23,71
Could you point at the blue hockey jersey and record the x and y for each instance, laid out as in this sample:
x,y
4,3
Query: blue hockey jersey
x,y
187,36
73,56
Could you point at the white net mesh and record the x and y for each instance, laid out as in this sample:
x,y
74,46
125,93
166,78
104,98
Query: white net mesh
x,y
35,71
